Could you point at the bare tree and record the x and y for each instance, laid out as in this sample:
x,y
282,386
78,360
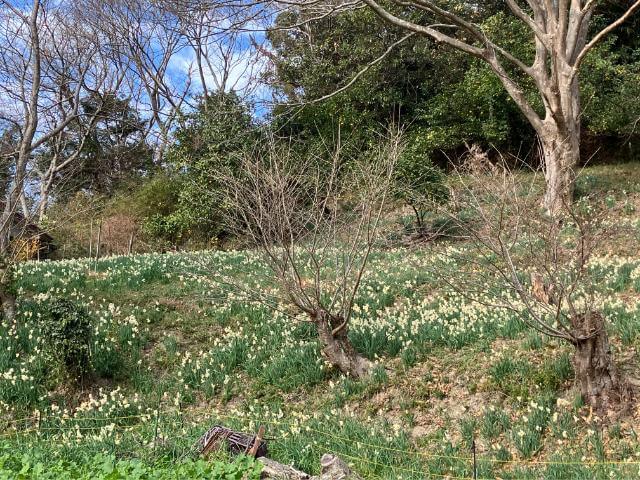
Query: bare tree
x,y
559,30
48,63
145,39
169,47
226,55
539,267
315,224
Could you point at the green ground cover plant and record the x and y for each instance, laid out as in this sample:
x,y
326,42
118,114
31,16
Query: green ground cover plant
x,y
176,347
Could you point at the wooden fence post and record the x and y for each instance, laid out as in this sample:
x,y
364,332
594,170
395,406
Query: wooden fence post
x,y
130,247
99,240
475,465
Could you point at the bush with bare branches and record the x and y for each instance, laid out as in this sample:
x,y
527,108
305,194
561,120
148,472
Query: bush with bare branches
x,y
538,265
315,220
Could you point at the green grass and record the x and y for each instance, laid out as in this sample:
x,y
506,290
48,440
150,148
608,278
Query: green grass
x,y
175,350
163,332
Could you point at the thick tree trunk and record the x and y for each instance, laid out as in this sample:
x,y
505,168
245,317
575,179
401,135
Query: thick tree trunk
x,y
595,371
561,155
338,349
7,297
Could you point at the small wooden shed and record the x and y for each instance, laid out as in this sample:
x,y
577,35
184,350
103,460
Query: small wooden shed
x,y
30,242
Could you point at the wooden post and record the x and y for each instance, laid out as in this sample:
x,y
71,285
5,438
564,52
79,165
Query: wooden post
x,y
99,240
130,247
475,465
256,443
91,240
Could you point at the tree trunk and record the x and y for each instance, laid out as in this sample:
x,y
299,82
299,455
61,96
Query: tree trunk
x,y
338,349
7,297
130,246
44,203
99,240
595,372
8,300
418,218
561,155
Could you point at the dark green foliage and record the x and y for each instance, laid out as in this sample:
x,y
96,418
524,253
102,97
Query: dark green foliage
x,y
474,107
611,83
115,150
170,228
418,182
158,204
393,91
443,98
185,204
67,330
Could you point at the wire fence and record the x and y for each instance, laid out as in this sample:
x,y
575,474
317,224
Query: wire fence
x,y
36,425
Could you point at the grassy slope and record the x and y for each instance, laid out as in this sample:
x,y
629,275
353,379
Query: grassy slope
x,y
171,337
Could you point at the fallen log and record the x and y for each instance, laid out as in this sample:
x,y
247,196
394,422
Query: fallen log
x,y
332,467
277,471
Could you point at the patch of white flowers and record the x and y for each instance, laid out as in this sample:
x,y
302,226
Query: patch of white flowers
x,y
272,334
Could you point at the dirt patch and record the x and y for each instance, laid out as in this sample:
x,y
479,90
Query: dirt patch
x,y
436,392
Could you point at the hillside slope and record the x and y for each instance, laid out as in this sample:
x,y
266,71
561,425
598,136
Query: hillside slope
x,y
183,341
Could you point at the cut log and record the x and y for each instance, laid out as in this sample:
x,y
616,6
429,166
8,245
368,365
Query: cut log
x,y
332,468
277,471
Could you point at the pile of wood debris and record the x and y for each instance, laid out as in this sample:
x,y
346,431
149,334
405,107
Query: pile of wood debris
x,y
332,467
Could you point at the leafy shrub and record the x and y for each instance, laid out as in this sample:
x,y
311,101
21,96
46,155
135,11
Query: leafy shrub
x,y
67,330
107,467
418,182
170,227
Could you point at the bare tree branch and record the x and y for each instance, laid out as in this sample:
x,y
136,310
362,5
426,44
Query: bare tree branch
x,y
602,34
